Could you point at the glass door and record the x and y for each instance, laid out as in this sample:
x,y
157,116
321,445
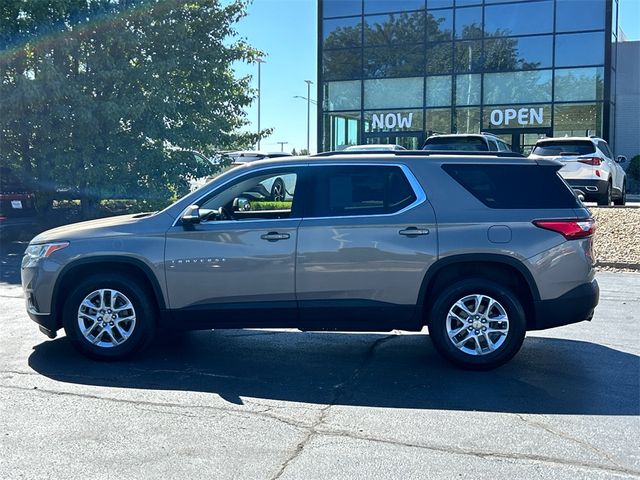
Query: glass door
x,y
521,140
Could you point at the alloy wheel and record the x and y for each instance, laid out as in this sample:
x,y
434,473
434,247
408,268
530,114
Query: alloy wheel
x,y
477,324
106,318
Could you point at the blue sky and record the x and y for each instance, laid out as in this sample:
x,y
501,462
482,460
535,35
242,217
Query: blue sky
x,y
286,30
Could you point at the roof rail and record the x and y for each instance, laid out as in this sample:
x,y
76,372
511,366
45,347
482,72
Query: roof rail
x,y
489,133
421,153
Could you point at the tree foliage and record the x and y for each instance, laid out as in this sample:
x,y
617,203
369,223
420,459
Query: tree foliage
x,y
107,97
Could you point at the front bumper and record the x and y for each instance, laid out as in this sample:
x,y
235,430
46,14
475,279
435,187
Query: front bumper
x,y
574,306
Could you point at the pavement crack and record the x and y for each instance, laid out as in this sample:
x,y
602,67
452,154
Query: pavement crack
x,y
263,413
339,392
569,438
618,469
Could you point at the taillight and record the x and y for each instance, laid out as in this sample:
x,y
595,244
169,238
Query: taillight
x,y
570,229
595,161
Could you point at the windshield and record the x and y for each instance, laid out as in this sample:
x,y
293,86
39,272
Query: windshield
x,y
564,147
459,144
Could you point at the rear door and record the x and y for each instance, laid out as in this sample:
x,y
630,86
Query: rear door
x,y
364,246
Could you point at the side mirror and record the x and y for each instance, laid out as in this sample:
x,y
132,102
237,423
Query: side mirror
x,y
621,159
241,204
191,215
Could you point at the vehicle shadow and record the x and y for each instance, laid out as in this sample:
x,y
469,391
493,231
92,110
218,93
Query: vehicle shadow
x,y
548,376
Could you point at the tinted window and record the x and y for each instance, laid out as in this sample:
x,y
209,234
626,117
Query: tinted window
x,y
458,144
439,25
382,6
517,87
468,56
359,190
396,28
580,49
605,148
577,147
261,195
574,84
514,186
469,22
393,61
574,15
337,8
439,58
524,53
519,19
342,32
341,64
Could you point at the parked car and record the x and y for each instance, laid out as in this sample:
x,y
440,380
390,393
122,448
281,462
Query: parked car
x,y
463,244
473,142
589,167
274,189
17,206
374,147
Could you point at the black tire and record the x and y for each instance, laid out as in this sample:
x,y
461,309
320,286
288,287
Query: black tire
x,y
278,191
142,332
623,196
509,346
604,199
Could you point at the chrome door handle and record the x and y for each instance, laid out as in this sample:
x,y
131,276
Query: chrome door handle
x,y
275,236
414,231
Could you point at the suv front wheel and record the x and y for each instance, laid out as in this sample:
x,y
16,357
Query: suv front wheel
x,y
477,324
109,317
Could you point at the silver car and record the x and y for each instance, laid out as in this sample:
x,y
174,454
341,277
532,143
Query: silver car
x,y
462,244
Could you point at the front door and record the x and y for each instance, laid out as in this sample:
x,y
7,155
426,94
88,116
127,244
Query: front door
x,y
237,263
521,140
408,140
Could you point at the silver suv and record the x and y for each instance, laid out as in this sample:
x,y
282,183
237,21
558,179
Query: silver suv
x,y
462,244
589,167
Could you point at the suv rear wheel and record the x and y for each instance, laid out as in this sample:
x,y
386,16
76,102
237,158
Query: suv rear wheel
x,y
604,199
477,324
109,317
623,196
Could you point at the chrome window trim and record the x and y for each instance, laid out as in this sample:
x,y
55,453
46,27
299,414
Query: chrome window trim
x,y
418,191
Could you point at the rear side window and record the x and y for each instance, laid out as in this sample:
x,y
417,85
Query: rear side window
x,y
458,144
359,190
605,148
514,186
575,147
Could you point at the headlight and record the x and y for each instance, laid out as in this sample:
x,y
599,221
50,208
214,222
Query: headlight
x,y
34,253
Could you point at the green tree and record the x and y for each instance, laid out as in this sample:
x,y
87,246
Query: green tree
x,y
108,96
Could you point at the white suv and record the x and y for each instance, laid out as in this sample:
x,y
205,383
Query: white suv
x,y
589,167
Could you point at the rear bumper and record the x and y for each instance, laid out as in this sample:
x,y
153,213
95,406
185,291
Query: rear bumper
x,y
589,188
574,306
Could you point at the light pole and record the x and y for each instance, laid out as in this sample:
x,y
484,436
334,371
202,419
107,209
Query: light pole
x,y
259,61
308,82
282,144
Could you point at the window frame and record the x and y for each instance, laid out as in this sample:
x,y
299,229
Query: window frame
x,y
309,213
301,186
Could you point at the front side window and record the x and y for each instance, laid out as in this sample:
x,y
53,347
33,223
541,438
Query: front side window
x,y
356,190
264,195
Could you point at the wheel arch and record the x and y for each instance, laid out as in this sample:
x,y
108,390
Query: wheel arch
x,y
112,263
496,267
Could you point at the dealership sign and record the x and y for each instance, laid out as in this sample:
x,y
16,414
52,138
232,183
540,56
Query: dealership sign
x,y
521,117
391,120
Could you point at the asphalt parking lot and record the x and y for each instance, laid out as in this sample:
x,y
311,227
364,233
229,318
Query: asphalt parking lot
x,y
258,404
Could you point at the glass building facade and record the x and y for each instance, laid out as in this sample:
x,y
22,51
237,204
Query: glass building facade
x,y
397,71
